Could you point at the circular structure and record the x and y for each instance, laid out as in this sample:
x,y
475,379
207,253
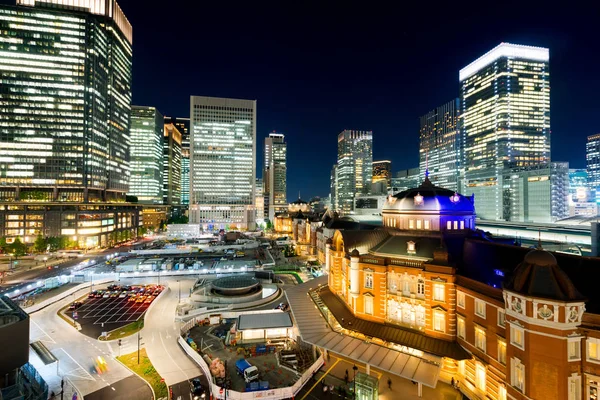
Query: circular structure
x,y
236,285
541,258
428,198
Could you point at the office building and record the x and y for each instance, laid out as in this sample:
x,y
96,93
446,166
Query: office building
x,y
18,378
354,167
582,200
146,155
382,176
259,202
505,111
183,126
449,303
65,109
535,193
275,174
172,167
333,188
369,204
439,145
592,155
222,163
406,179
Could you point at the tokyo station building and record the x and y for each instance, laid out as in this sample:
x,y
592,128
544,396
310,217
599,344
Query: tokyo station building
x,y
505,321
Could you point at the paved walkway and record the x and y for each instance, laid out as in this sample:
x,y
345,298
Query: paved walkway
x,y
332,374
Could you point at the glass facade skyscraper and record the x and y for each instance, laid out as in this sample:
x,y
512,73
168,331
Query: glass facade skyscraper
x,y
183,126
439,146
275,174
354,167
222,162
505,111
146,154
65,101
592,155
172,166
382,173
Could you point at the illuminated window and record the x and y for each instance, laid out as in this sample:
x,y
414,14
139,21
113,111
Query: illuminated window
x,y
502,392
411,224
369,280
517,337
460,299
426,224
593,349
462,224
410,247
480,339
439,321
480,308
517,374
461,367
419,223
574,349
368,305
501,320
501,351
461,330
480,376
449,225
455,225
439,293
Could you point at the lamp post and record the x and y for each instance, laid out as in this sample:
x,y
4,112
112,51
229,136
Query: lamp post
x,y
179,296
355,368
45,262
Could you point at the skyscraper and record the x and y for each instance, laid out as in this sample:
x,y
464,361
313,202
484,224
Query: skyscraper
x,y
354,167
146,155
592,155
333,188
183,126
382,175
172,167
275,174
439,146
582,200
222,162
65,107
65,102
259,201
505,101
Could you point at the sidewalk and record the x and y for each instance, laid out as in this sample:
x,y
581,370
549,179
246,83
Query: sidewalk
x,y
335,368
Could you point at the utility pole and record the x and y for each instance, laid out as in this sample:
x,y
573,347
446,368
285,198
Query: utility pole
x,y
179,297
139,340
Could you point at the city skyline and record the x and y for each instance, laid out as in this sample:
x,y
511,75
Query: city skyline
x,y
386,94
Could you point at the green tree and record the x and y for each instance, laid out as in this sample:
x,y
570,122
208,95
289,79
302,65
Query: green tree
x,y
142,230
3,244
18,248
53,243
41,244
270,226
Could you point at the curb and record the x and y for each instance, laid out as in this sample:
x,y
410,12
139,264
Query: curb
x,y
135,373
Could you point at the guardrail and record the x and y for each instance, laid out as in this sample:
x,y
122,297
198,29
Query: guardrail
x,y
218,392
67,293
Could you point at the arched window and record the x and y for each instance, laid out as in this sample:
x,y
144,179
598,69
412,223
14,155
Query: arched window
x,y
421,287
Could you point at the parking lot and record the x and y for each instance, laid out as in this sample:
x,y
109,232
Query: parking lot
x,y
105,310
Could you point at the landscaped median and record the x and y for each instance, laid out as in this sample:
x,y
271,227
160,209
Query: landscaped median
x,y
123,331
146,371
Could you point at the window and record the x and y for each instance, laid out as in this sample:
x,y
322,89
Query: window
x,y
517,337
593,349
480,308
426,224
368,305
455,225
439,321
502,392
480,376
460,299
574,387
461,331
419,223
449,225
501,351
410,247
501,316
517,375
411,224
461,367
421,287
462,224
439,292
369,280
574,349
480,338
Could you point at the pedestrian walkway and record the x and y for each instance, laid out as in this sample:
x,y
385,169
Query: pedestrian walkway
x,y
333,374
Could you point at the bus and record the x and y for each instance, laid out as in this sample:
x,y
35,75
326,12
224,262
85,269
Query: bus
x,y
71,253
283,241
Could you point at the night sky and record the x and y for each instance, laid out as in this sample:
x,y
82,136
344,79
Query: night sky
x,y
316,70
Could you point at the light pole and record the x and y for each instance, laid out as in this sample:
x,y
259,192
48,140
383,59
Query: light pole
x,y
45,262
355,368
179,296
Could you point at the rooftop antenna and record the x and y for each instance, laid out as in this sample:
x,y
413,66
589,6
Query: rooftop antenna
x,y
298,195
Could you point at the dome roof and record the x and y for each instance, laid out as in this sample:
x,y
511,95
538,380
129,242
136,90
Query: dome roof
x,y
432,199
539,275
355,253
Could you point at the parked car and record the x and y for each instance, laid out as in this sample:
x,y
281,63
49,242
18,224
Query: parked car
x,y
99,294
140,299
75,305
197,390
123,294
149,299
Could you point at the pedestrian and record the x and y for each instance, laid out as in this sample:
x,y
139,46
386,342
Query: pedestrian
x,y
452,383
389,383
346,377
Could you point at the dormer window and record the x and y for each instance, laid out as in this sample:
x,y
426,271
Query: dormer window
x,y
411,247
455,198
418,200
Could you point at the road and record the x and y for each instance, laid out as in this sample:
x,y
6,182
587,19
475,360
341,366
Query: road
x,y
76,354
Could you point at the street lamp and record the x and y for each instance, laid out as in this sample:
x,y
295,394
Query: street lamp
x,y
45,262
355,368
179,297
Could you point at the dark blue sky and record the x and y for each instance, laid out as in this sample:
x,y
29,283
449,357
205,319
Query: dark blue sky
x,y
316,70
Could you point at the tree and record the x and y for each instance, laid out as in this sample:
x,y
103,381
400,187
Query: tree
x,y
142,230
41,244
18,248
3,244
131,199
269,225
53,243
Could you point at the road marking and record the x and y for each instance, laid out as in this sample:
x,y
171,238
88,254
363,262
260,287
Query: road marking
x,y
40,328
321,378
169,354
83,369
113,388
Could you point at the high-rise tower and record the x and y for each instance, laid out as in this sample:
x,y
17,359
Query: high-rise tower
x,y
222,162
354,167
275,174
505,100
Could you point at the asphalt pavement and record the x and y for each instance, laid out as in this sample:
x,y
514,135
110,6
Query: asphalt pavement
x,y
130,388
